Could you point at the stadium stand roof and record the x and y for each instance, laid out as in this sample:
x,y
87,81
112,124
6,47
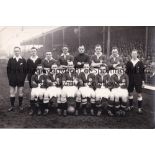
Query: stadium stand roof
x,y
38,39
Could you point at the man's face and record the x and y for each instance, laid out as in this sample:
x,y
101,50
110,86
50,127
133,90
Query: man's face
x,y
17,52
33,52
65,50
134,54
102,70
98,49
54,68
71,68
39,69
115,52
86,68
48,55
119,71
81,49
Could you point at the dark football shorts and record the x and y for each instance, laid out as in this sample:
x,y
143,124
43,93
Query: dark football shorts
x,y
131,88
16,83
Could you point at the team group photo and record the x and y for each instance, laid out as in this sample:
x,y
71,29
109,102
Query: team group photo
x,y
77,77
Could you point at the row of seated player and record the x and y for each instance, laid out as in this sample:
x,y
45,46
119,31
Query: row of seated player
x,y
84,93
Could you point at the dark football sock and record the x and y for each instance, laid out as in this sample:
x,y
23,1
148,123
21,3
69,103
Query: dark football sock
x,y
140,104
65,106
130,102
120,103
88,99
123,106
104,101
83,106
110,106
46,105
12,100
117,106
93,106
32,105
59,106
97,106
78,105
41,107
20,98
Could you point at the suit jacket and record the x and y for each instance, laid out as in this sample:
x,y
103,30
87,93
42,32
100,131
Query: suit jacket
x,y
135,73
16,70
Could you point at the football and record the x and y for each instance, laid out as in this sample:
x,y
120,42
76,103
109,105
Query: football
x,y
71,110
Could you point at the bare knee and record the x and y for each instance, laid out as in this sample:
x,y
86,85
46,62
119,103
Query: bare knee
x,y
131,94
12,91
20,89
116,99
139,95
124,99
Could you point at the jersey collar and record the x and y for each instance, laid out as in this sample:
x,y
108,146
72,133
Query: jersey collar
x,y
98,55
64,54
134,62
15,57
34,58
49,59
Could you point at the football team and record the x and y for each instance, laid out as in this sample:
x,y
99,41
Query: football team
x,y
79,85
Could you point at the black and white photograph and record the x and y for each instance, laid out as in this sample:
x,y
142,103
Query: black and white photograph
x,y
78,77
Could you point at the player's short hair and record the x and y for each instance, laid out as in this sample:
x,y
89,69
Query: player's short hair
x,y
17,47
98,45
54,65
81,45
39,65
104,67
134,49
65,46
48,52
32,48
115,47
